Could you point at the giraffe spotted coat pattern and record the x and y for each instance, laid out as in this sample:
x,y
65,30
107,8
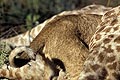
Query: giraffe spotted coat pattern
x,y
103,62
24,68
27,37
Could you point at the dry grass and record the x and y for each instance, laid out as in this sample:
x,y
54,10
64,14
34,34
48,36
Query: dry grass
x,y
4,53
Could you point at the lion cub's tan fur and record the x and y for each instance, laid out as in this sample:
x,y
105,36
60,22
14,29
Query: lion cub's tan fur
x,y
63,39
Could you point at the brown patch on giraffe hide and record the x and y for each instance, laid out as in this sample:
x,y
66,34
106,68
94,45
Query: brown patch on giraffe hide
x,y
107,29
116,28
108,50
95,67
96,46
111,36
109,13
104,23
95,52
110,17
92,45
101,57
112,66
32,78
103,73
98,36
3,72
115,21
107,40
116,75
118,48
110,59
90,77
10,73
87,70
117,39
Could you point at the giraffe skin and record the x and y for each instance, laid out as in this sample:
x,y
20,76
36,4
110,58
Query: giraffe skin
x,y
27,37
67,13
101,9
81,31
103,62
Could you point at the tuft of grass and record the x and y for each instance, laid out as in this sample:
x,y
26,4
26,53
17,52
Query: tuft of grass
x,y
4,53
